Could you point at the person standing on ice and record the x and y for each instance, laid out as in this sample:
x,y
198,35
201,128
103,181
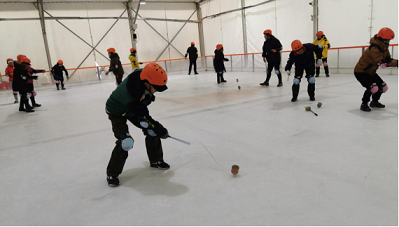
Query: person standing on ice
x,y
324,44
21,77
303,58
10,75
192,53
218,63
129,102
115,66
271,53
133,59
31,89
57,72
376,55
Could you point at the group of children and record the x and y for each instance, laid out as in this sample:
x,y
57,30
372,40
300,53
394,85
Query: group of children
x,y
21,75
309,57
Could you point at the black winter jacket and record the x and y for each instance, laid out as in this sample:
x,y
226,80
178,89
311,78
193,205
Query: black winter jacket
x,y
57,71
218,61
304,60
192,52
268,45
115,65
21,77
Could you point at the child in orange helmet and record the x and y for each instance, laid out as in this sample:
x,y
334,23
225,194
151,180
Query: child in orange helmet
x,y
303,58
57,72
10,74
128,102
115,66
192,53
218,63
323,43
31,89
374,57
20,82
133,59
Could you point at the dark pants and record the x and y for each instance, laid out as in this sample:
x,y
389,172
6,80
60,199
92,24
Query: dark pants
x,y
298,75
118,79
119,156
220,77
24,101
193,62
60,81
31,90
366,80
325,68
276,66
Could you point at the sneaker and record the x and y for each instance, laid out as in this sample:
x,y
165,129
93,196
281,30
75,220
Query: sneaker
x,y
293,99
280,84
377,104
327,75
266,83
15,102
112,181
37,105
160,165
312,98
30,110
365,107
317,75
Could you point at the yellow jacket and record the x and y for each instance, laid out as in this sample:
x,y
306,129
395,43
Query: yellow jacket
x,y
134,62
325,44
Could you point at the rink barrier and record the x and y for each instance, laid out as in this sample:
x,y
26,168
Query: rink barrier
x,y
201,57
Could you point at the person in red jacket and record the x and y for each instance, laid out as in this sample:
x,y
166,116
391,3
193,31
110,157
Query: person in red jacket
x,y
10,74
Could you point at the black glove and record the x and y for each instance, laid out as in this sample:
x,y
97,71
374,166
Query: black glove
x,y
141,63
226,59
160,130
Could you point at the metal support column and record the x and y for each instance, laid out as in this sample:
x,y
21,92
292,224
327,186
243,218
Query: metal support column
x,y
315,17
131,23
337,61
43,25
244,32
201,34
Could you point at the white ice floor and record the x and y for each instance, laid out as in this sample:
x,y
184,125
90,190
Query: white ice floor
x,y
338,168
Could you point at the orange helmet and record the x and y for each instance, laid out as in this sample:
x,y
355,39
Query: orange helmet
x,y
132,49
192,43
25,60
296,45
319,33
19,57
9,60
60,62
156,76
386,33
267,31
219,47
111,50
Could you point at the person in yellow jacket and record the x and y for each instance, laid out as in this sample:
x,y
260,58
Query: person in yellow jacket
x,y
324,44
133,59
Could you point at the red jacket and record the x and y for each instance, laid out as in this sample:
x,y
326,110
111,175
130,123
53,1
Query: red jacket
x,y
10,73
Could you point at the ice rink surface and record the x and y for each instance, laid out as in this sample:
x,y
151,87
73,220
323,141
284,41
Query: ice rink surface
x,y
338,168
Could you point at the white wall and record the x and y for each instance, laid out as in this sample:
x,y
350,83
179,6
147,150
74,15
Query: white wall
x,y
25,37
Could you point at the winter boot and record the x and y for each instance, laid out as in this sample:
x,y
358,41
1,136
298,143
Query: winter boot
x,y
160,165
112,181
266,83
365,107
376,104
